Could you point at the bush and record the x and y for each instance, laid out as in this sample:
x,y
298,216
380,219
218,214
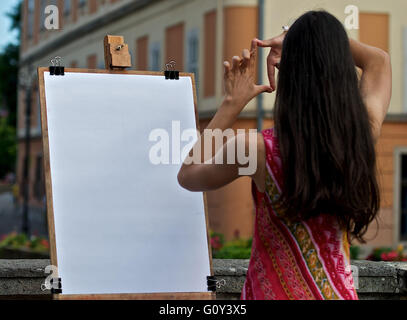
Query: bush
x,y
22,242
388,254
8,148
354,252
235,249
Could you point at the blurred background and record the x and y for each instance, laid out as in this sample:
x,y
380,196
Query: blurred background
x,y
199,35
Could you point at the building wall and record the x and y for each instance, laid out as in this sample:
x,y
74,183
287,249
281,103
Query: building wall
x,y
142,53
279,13
223,29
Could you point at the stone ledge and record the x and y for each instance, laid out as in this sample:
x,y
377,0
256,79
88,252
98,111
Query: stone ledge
x,y
377,280
23,268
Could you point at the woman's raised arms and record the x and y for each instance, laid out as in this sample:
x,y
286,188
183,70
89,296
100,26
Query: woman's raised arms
x,y
376,81
375,84
204,173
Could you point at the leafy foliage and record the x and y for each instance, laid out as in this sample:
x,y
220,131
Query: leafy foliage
x,y
235,249
388,254
8,147
9,63
21,241
354,252
15,16
9,81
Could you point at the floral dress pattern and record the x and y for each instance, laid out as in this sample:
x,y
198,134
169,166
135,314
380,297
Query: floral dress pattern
x,y
305,260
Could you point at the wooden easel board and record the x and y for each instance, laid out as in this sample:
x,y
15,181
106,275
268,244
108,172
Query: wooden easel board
x,y
120,226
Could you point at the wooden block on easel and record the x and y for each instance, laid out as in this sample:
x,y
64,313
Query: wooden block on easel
x,y
117,56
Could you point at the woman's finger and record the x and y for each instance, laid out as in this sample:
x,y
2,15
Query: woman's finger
x,y
253,54
254,45
246,59
226,64
263,88
266,43
271,74
236,63
271,71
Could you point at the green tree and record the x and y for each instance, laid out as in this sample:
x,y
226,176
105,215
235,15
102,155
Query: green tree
x,y
9,63
8,147
9,81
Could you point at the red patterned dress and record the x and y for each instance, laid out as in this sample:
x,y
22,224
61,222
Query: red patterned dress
x,y
294,261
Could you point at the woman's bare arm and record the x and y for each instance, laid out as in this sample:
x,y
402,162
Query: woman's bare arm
x,y
240,88
376,81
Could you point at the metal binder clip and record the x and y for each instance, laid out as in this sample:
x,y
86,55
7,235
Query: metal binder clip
x,y
170,72
56,282
214,284
56,69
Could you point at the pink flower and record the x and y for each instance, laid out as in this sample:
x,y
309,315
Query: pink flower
x,y
393,255
45,243
215,242
389,256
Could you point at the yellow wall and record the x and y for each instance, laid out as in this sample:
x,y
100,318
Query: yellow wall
x,y
279,13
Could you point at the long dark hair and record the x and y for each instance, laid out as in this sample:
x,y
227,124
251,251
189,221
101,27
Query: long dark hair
x,y
323,127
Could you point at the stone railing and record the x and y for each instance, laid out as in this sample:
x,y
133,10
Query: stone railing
x,y
22,279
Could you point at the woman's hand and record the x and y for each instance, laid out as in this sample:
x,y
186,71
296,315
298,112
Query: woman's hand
x,y
240,88
273,60
240,85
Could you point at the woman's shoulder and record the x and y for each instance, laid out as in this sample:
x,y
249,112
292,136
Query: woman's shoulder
x,y
269,132
270,140
272,150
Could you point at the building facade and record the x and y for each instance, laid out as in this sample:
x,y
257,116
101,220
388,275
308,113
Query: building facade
x,y
199,35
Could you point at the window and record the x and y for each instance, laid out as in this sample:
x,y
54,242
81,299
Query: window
x,y
67,7
31,5
405,67
142,53
82,3
38,112
92,61
43,4
155,57
374,29
403,199
174,45
193,53
30,18
209,55
39,185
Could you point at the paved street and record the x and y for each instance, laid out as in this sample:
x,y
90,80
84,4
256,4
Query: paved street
x,y
11,217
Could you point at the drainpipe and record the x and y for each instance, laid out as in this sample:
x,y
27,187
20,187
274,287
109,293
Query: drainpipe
x,y
260,111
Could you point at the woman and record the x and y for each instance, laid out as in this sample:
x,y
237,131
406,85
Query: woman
x,y
315,184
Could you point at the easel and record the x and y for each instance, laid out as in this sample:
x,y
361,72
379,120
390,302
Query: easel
x,y
117,59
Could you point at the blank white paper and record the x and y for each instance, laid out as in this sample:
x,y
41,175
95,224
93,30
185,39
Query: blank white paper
x,y
122,224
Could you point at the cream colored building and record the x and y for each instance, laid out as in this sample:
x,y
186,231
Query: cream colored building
x,y
199,35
